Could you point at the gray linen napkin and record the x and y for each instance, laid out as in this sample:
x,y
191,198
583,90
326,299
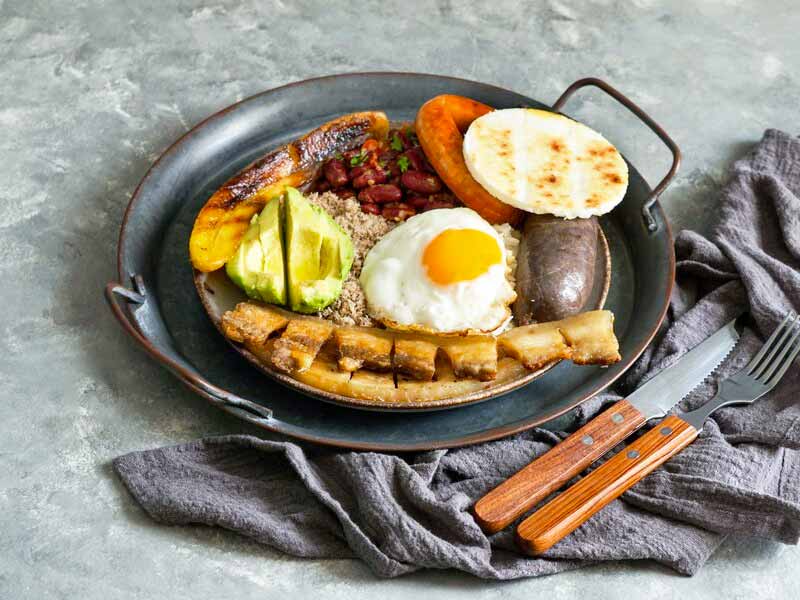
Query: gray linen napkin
x,y
403,513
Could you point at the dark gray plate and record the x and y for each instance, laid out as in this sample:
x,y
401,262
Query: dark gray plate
x,y
165,316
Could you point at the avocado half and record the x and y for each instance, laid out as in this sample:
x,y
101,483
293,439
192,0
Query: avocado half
x,y
293,253
258,264
319,255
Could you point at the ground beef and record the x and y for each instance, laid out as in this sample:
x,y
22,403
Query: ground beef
x,y
365,230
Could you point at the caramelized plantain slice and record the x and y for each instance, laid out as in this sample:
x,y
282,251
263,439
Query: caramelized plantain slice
x,y
223,220
324,374
296,349
253,323
366,347
372,386
414,356
472,355
591,337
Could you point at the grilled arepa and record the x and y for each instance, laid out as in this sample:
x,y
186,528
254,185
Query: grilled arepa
x,y
545,163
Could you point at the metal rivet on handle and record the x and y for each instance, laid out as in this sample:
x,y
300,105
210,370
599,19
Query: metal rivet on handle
x,y
617,418
666,430
587,440
633,454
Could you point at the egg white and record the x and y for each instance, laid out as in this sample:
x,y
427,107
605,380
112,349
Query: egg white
x,y
400,294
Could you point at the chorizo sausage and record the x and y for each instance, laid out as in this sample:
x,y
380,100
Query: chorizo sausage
x,y
440,125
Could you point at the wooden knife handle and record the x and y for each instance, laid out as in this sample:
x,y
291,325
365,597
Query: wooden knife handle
x,y
565,513
521,492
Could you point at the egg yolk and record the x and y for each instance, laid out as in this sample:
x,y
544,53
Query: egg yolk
x,y
460,255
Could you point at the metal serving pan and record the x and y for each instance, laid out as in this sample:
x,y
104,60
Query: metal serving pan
x,y
156,304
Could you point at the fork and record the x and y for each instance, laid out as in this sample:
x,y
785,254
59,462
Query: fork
x,y
565,513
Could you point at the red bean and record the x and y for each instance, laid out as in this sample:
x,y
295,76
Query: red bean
x,y
388,156
381,194
421,183
434,204
444,196
369,207
418,202
345,192
369,177
393,168
335,172
355,172
322,186
397,212
416,159
404,138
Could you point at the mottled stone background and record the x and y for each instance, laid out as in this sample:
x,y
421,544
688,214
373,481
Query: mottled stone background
x,y
92,91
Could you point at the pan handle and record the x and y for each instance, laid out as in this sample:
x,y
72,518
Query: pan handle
x,y
647,213
245,409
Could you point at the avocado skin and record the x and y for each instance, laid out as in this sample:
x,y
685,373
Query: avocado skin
x,y
258,265
319,255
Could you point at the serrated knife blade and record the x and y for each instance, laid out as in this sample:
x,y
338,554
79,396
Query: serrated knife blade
x,y
659,394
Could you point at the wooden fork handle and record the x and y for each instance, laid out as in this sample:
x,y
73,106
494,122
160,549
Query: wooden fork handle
x,y
565,513
521,492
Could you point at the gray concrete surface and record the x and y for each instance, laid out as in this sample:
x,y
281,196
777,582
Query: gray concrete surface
x,y
91,92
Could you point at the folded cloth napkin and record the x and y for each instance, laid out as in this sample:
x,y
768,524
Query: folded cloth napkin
x,y
403,513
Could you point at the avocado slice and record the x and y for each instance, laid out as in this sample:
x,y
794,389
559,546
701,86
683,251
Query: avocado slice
x,y
258,265
319,255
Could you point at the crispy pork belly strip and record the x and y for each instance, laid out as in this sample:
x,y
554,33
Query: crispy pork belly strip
x,y
591,338
366,347
253,323
300,343
586,339
473,356
414,356
535,345
223,220
465,363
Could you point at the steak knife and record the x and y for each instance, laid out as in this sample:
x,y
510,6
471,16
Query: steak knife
x,y
573,507
521,492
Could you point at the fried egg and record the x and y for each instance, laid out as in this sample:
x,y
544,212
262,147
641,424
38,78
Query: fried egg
x,y
545,163
442,271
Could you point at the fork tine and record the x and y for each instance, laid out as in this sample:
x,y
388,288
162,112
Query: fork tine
x,y
768,344
775,346
784,360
